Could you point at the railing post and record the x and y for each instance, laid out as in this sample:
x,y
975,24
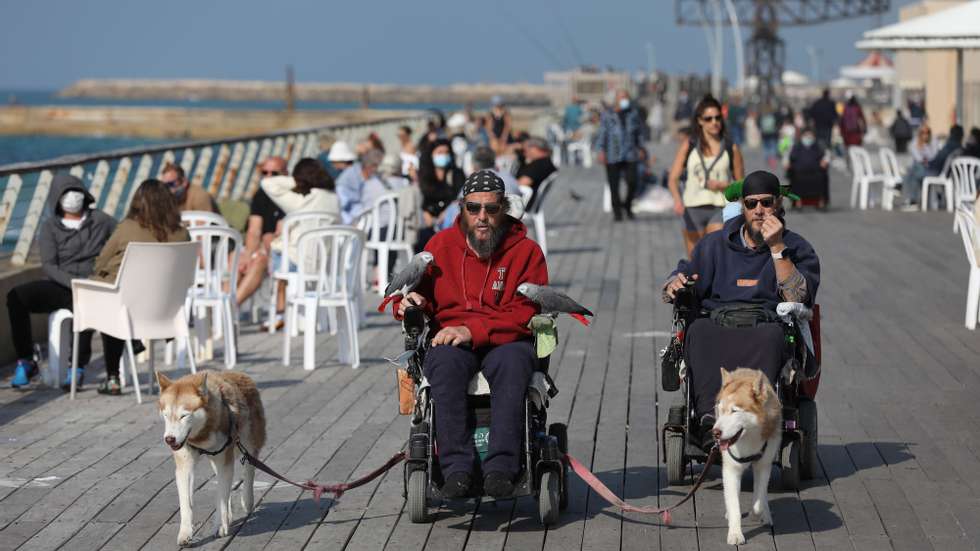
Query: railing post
x,y
34,212
241,182
10,194
298,148
265,152
98,181
187,161
167,158
224,153
237,154
118,183
201,169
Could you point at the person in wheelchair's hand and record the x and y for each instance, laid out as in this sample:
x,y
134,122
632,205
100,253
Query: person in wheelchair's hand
x,y
739,275
480,324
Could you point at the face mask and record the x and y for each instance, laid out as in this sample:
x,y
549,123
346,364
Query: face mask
x,y
807,141
72,202
441,160
624,104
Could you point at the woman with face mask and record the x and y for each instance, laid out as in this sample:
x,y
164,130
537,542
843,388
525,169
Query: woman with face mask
x,y
439,181
806,167
69,240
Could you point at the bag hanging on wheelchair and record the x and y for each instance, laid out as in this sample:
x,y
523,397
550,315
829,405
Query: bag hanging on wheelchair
x,y
742,315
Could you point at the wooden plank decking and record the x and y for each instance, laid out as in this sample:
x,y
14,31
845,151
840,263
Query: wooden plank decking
x,y
898,410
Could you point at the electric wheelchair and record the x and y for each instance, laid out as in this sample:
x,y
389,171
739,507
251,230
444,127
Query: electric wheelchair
x,y
544,470
796,387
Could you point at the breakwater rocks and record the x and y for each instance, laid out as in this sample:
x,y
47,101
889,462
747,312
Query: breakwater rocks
x,y
364,94
171,122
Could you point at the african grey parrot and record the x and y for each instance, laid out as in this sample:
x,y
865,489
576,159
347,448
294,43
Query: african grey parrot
x,y
553,301
408,279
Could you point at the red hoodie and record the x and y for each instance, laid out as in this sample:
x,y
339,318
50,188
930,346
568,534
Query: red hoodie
x,y
463,290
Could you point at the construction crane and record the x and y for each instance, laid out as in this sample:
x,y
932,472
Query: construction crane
x,y
766,51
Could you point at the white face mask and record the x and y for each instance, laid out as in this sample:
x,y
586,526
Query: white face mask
x,y
624,104
72,202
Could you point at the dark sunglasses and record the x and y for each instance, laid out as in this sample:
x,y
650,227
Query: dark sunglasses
x,y
491,208
766,202
716,118
271,173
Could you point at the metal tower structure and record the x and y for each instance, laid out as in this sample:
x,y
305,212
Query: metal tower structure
x,y
766,50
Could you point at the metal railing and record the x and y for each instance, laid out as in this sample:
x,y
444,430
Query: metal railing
x,y
225,168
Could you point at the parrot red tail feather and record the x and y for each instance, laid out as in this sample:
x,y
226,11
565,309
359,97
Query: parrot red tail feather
x,y
582,319
384,303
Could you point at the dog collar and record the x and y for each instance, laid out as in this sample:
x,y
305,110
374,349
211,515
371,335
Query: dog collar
x,y
750,458
231,433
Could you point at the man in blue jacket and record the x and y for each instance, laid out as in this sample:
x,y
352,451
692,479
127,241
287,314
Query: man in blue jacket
x,y
752,264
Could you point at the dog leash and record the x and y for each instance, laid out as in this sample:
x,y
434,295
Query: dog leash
x,y
319,489
598,487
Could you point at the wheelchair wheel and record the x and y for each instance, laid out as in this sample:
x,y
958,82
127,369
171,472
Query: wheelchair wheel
x,y
560,432
418,489
790,461
548,498
675,458
809,464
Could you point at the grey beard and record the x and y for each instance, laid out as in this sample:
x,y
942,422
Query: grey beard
x,y
755,235
485,247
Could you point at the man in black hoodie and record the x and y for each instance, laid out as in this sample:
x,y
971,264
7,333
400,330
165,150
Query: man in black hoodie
x,y
754,261
69,241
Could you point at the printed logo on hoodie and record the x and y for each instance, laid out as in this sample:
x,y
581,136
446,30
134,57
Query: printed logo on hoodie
x,y
498,284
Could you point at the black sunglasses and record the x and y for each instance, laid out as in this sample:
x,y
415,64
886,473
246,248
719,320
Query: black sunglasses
x,y
767,202
271,173
716,118
491,208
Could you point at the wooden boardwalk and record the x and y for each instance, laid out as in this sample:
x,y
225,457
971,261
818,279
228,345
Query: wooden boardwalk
x,y
898,413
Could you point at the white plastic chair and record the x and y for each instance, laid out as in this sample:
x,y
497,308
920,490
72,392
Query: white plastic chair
x,y
194,218
216,286
945,181
145,302
889,164
964,172
864,176
536,211
386,214
292,224
968,231
329,261
56,345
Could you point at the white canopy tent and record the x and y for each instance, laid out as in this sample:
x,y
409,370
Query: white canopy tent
x,y
956,28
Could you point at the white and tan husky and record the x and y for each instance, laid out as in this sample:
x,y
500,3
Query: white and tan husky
x,y
210,412
748,429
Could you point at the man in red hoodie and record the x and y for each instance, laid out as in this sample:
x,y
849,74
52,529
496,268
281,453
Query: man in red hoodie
x,y
480,324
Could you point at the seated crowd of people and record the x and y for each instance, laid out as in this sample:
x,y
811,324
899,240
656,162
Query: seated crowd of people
x,y
80,241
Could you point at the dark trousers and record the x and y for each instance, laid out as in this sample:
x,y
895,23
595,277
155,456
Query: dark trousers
x,y
40,297
628,172
508,369
709,347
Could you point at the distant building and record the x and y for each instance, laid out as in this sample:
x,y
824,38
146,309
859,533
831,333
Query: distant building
x,y
589,85
934,72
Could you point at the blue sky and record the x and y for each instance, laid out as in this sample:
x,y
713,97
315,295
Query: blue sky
x,y
50,43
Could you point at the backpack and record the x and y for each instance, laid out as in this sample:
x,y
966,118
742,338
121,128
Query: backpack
x,y
729,147
851,122
901,129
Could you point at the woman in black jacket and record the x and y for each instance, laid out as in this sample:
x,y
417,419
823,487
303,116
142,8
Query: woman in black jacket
x,y
806,169
439,181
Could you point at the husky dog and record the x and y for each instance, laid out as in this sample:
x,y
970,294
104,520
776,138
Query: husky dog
x,y
208,414
748,431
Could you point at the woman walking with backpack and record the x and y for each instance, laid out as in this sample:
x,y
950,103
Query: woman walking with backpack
x,y
852,123
712,162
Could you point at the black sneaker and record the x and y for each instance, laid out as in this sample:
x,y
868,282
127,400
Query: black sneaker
x,y
497,484
457,484
111,387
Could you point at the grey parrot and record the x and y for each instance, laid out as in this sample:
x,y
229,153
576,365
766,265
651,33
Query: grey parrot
x,y
553,301
408,279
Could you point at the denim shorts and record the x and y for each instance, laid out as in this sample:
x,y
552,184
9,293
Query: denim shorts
x,y
276,258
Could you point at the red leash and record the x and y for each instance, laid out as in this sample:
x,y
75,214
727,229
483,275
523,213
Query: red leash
x,y
319,489
581,470
598,487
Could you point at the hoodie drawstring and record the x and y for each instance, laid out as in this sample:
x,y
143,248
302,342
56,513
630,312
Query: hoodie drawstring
x,y
486,278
